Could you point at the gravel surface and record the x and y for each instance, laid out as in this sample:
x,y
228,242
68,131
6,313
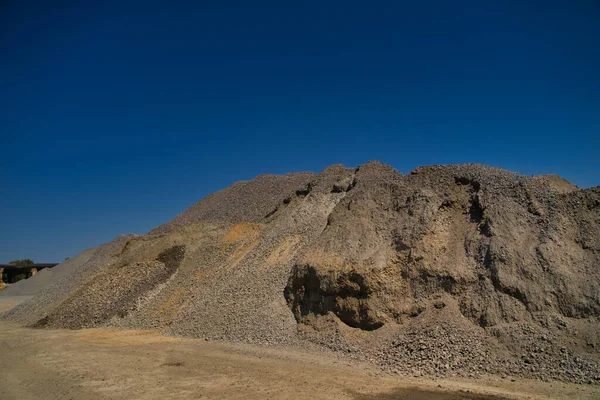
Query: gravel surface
x,y
461,270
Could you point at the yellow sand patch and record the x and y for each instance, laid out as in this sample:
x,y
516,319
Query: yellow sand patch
x,y
284,251
245,237
242,231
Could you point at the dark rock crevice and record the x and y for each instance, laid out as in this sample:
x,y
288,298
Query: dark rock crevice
x,y
346,294
305,191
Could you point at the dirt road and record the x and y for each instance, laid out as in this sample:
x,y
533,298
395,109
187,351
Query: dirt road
x,y
111,364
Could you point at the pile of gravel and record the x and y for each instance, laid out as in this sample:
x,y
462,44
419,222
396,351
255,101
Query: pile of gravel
x,y
450,270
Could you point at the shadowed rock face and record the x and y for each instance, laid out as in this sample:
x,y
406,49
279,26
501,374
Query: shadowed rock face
x,y
345,294
425,271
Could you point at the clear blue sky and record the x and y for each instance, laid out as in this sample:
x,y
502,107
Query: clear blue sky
x,y
117,115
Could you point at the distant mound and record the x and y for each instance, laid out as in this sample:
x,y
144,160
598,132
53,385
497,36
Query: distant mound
x,y
33,285
460,269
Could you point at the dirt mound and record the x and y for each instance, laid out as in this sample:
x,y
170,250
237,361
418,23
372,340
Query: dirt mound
x,y
449,270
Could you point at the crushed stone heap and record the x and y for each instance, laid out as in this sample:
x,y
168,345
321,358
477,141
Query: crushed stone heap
x,y
449,270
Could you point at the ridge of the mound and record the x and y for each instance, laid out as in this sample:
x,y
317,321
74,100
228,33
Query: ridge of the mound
x,y
248,201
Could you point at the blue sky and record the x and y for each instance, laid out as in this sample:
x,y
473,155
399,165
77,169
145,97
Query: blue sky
x,y
116,116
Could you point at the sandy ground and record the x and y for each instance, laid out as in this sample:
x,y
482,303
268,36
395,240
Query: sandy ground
x,y
112,364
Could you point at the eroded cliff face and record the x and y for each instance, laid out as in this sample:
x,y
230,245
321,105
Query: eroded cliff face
x,y
505,247
420,272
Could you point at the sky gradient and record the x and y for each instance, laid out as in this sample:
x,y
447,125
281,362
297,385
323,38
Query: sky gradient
x,y
116,116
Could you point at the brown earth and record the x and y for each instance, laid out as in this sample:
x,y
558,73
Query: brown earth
x,y
450,271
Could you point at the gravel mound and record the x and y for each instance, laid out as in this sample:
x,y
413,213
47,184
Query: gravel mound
x,y
33,285
458,270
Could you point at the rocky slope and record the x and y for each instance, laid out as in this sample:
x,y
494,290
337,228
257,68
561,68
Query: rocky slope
x,y
244,201
449,270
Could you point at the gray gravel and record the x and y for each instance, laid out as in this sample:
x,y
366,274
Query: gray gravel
x,y
33,285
